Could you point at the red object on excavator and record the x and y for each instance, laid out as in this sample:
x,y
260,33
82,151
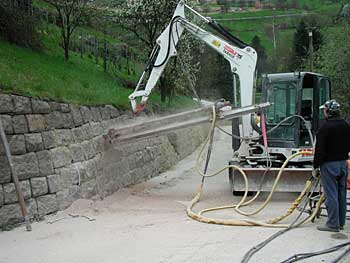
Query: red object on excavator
x,y
139,108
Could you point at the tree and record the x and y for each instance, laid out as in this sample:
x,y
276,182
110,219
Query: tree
x,y
281,4
333,60
284,56
224,5
111,3
71,13
215,80
295,4
345,12
146,19
262,57
301,41
224,78
18,24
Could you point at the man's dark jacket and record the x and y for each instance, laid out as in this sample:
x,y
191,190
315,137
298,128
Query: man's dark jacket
x,y
332,142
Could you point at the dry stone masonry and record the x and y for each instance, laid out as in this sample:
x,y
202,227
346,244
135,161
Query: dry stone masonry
x,y
60,154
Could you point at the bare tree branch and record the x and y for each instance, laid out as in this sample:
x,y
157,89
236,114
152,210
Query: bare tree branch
x,y
70,14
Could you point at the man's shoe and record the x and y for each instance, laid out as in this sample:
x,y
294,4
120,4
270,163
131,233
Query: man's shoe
x,y
341,228
326,228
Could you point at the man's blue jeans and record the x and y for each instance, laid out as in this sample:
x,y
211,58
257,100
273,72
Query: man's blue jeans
x,y
333,179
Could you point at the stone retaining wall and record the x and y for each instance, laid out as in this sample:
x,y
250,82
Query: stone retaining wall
x,y
60,154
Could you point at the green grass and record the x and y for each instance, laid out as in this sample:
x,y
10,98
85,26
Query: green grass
x,y
47,75
86,31
258,13
178,102
310,4
247,29
42,4
43,75
320,5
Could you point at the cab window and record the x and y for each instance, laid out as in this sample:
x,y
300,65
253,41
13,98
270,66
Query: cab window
x,y
282,95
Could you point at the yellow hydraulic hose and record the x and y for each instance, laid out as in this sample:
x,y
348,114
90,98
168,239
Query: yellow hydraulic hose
x,y
294,205
276,219
246,222
273,187
242,222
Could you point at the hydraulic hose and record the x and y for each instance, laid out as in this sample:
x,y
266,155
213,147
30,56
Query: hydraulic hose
x,y
308,127
295,224
273,187
305,194
245,222
302,256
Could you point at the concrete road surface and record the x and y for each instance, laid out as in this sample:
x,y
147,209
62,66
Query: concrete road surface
x,y
148,223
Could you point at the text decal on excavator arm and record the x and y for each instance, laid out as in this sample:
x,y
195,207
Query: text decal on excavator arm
x,y
229,51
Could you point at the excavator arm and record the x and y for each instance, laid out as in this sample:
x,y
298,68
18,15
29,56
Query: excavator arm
x,y
241,57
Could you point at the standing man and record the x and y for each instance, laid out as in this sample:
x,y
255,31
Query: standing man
x,y
331,152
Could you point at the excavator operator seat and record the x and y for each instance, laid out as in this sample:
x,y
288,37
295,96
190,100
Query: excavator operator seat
x,y
306,109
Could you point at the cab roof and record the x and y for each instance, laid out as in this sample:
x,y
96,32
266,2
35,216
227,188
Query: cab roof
x,y
289,76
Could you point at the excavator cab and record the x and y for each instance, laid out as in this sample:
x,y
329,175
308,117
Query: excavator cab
x,y
291,123
294,94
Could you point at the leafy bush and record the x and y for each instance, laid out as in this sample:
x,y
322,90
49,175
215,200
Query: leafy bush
x,y
332,59
17,25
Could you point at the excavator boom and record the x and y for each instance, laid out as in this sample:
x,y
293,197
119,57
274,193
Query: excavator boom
x,y
241,57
